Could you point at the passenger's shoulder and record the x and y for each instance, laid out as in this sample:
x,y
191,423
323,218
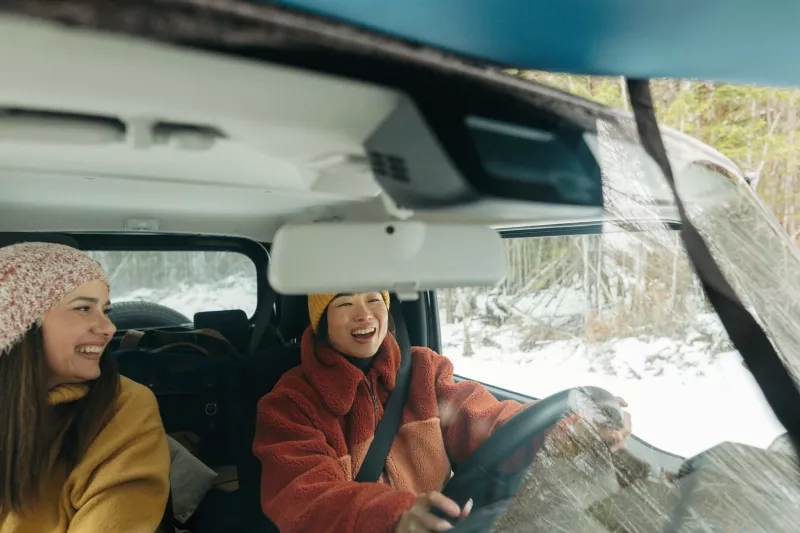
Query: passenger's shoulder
x,y
423,352
291,383
428,361
292,388
424,355
136,399
135,414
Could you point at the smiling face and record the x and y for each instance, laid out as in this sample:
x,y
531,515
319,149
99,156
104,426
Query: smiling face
x,y
357,323
76,331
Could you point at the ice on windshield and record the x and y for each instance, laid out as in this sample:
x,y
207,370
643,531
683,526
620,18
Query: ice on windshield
x,y
582,488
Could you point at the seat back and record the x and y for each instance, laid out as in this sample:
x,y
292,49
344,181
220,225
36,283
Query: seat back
x,y
260,374
167,524
194,376
233,324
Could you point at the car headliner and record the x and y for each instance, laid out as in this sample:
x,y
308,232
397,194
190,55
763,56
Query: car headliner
x,y
745,41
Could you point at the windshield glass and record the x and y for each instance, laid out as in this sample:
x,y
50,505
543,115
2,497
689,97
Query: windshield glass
x,y
620,310
754,252
624,311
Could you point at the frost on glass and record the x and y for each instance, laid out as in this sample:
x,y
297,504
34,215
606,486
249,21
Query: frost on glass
x,y
751,248
575,483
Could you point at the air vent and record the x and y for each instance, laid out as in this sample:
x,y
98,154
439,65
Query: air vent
x,y
56,127
186,136
389,166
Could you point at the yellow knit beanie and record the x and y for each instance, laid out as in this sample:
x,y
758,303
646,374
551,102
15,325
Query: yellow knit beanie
x,y
318,304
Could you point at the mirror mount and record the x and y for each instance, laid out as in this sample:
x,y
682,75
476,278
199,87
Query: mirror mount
x,y
392,209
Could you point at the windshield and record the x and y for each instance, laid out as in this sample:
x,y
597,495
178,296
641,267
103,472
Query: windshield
x,y
623,310
620,310
754,252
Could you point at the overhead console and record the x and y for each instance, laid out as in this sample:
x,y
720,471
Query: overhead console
x,y
461,155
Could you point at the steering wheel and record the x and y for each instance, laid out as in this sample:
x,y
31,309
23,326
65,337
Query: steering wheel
x,y
492,475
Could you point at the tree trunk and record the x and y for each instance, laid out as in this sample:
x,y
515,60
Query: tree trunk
x,y
449,305
598,290
468,351
623,92
587,289
673,290
464,309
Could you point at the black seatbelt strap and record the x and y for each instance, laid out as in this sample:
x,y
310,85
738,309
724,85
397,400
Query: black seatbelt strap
x,y
745,333
262,321
374,462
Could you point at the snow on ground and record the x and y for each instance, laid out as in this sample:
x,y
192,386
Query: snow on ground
x,y
679,400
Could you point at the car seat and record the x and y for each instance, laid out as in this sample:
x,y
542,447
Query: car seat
x,y
260,374
233,324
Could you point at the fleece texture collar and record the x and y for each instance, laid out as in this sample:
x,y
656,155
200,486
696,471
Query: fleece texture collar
x,y
336,380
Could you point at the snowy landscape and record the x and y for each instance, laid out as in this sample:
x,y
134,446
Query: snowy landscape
x,y
680,399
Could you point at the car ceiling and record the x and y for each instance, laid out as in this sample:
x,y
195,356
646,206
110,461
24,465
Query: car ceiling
x,y
380,72
743,41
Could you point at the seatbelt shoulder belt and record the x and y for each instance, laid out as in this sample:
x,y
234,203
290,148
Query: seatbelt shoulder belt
x,y
262,321
389,424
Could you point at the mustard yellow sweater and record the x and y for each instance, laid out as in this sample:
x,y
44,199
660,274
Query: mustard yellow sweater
x,y
122,482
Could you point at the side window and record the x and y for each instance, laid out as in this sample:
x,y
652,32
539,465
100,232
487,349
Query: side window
x,y
183,281
622,311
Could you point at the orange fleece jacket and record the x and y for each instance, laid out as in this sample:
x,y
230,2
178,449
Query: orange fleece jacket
x,y
314,429
121,484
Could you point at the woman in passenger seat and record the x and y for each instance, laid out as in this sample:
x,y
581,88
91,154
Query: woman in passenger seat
x,y
314,429
81,449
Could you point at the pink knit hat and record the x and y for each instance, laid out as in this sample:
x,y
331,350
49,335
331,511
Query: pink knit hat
x,y
34,276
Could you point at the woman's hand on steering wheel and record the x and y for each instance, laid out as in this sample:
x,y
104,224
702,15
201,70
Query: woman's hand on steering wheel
x,y
420,519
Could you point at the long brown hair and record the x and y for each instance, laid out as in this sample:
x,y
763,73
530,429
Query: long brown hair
x,y
29,425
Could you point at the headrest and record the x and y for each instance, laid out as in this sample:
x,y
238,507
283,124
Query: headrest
x,y
232,324
14,237
293,318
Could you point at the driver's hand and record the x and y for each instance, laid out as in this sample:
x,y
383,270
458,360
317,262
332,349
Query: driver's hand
x,y
420,519
617,438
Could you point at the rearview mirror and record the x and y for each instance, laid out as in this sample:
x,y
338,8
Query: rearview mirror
x,y
402,257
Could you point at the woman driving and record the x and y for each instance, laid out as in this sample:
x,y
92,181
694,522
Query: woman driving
x,y
314,429
82,450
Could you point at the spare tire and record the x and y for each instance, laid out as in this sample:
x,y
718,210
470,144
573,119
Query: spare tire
x,y
133,315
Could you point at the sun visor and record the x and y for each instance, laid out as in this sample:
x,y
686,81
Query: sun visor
x,y
433,158
403,257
